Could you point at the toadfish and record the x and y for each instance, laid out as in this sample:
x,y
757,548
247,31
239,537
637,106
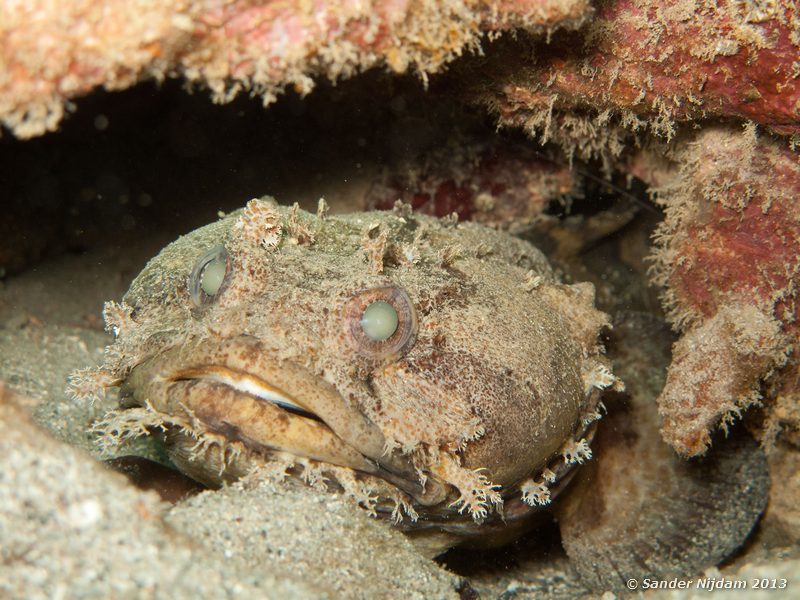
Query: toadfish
x,y
439,373
432,370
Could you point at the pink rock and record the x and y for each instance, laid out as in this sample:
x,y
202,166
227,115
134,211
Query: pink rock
x,y
52,51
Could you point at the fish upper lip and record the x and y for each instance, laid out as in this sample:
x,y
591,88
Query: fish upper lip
x,y
255,386
245,382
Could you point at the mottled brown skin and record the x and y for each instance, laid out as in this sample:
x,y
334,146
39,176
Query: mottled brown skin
x,y
499,379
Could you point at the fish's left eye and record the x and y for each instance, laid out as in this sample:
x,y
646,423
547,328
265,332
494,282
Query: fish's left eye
x,y
209,276
380,323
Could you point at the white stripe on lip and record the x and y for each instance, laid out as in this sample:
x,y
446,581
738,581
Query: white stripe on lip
x,y
246,383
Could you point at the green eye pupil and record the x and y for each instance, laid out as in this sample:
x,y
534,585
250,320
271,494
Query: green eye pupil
x,y
213,275
379,321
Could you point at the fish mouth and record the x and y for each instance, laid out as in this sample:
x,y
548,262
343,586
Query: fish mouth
x,y
237,389
246,383
242,394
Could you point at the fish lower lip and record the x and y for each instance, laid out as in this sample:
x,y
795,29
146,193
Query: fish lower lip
x,y
261,426
222,381
256,387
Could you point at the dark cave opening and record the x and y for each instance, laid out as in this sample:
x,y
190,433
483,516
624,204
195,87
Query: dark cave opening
x,y
141,166
127,165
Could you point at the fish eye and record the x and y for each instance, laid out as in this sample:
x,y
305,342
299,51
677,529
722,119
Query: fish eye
x,y
380,323
209,276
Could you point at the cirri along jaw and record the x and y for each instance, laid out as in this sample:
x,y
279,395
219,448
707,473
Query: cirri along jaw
x,y
231,389
236,389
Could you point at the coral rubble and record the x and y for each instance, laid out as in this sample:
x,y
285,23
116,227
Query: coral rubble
x,y
654,63
51,52
501,184
727,256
